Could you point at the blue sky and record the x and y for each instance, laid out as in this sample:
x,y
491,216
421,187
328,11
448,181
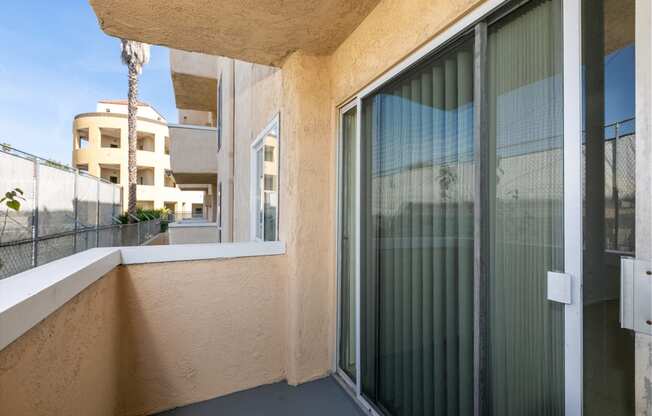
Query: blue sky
x,y
55,62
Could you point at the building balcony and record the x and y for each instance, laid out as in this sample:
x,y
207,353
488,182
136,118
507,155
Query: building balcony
x,y
193,154
140,330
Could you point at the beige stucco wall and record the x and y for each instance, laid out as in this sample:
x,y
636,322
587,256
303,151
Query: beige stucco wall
x,y
70,363
258,96
198,234
146,338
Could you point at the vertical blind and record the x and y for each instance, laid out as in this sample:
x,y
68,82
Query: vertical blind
x,y
525,330
417,320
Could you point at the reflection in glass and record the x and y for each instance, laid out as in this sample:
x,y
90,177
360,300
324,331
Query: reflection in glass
x,y
525,330
609,201
417,241
265,200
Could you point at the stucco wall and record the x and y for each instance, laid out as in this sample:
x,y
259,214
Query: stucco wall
x,y
197,330
70,363
258,95
306,213
197,234
146,338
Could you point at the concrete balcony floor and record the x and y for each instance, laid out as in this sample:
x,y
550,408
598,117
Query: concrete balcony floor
x,y
318,398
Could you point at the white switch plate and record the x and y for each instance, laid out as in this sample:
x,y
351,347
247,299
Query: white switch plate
x,y
559,287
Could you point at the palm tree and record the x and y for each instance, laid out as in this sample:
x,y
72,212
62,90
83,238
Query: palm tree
x,y
134,55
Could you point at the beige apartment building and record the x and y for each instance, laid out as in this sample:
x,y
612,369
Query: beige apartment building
x,y
463,218
100,147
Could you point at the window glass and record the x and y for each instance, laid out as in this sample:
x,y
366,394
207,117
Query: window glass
x,y
265,170
417,239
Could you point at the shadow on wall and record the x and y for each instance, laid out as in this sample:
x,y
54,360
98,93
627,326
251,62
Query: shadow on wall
x,y
147,338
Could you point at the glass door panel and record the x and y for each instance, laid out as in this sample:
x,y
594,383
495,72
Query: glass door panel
x,y
347,255
417,239
525,345
609,201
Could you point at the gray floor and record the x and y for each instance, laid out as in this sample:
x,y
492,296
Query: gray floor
x,y
317,398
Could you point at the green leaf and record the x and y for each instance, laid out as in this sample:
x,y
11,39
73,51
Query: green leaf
x,y
15,205
20,191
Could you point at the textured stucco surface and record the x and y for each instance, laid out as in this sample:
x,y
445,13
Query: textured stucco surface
x,y
264,32
258,96
69,364
306,216
372,49
147,338
198,330
195,93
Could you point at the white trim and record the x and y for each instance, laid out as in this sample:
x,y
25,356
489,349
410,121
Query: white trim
x,y
465,23
31,296
253,169
338,229
191,127
358,235
185,252
191,224
572,78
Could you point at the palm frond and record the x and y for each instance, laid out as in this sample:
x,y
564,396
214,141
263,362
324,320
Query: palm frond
x,y
136,53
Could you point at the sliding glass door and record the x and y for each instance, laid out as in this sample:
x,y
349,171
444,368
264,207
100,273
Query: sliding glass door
x,y
462,215
525,333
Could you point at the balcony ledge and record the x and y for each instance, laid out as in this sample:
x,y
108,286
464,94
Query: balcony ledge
x,y
29,297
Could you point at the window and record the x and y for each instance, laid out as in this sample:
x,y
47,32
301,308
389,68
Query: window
x,y
113,179
269,154
219,114
110,138
264,184
346,248
270,182
219,212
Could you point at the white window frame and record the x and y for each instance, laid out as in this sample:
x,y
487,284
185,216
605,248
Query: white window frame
x,y
258,144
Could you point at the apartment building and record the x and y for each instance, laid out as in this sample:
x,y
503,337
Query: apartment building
x,y
463,214
100,147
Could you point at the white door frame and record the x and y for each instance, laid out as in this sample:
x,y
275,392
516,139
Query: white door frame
x,y
572,81
572,154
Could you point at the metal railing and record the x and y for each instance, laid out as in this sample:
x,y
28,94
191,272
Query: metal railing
x,y
63,211
18,256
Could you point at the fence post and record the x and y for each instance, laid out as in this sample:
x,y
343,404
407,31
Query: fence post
x,y
35,184
75,207
614,185
97,214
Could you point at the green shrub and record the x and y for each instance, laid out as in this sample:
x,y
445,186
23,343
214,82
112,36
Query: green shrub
x,y
146,215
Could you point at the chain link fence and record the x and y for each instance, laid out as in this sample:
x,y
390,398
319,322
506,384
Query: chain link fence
x,y
63,211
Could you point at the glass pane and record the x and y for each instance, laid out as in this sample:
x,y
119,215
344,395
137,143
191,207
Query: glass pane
x,y
417,239
525,104
259,191
609,201
266,186
347,244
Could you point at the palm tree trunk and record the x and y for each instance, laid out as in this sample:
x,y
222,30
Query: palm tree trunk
x,y
131,164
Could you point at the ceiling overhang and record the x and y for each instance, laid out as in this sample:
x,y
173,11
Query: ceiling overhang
x,y
263,32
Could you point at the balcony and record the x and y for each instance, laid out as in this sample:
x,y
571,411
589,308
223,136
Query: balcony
x,y
193,154
140,330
